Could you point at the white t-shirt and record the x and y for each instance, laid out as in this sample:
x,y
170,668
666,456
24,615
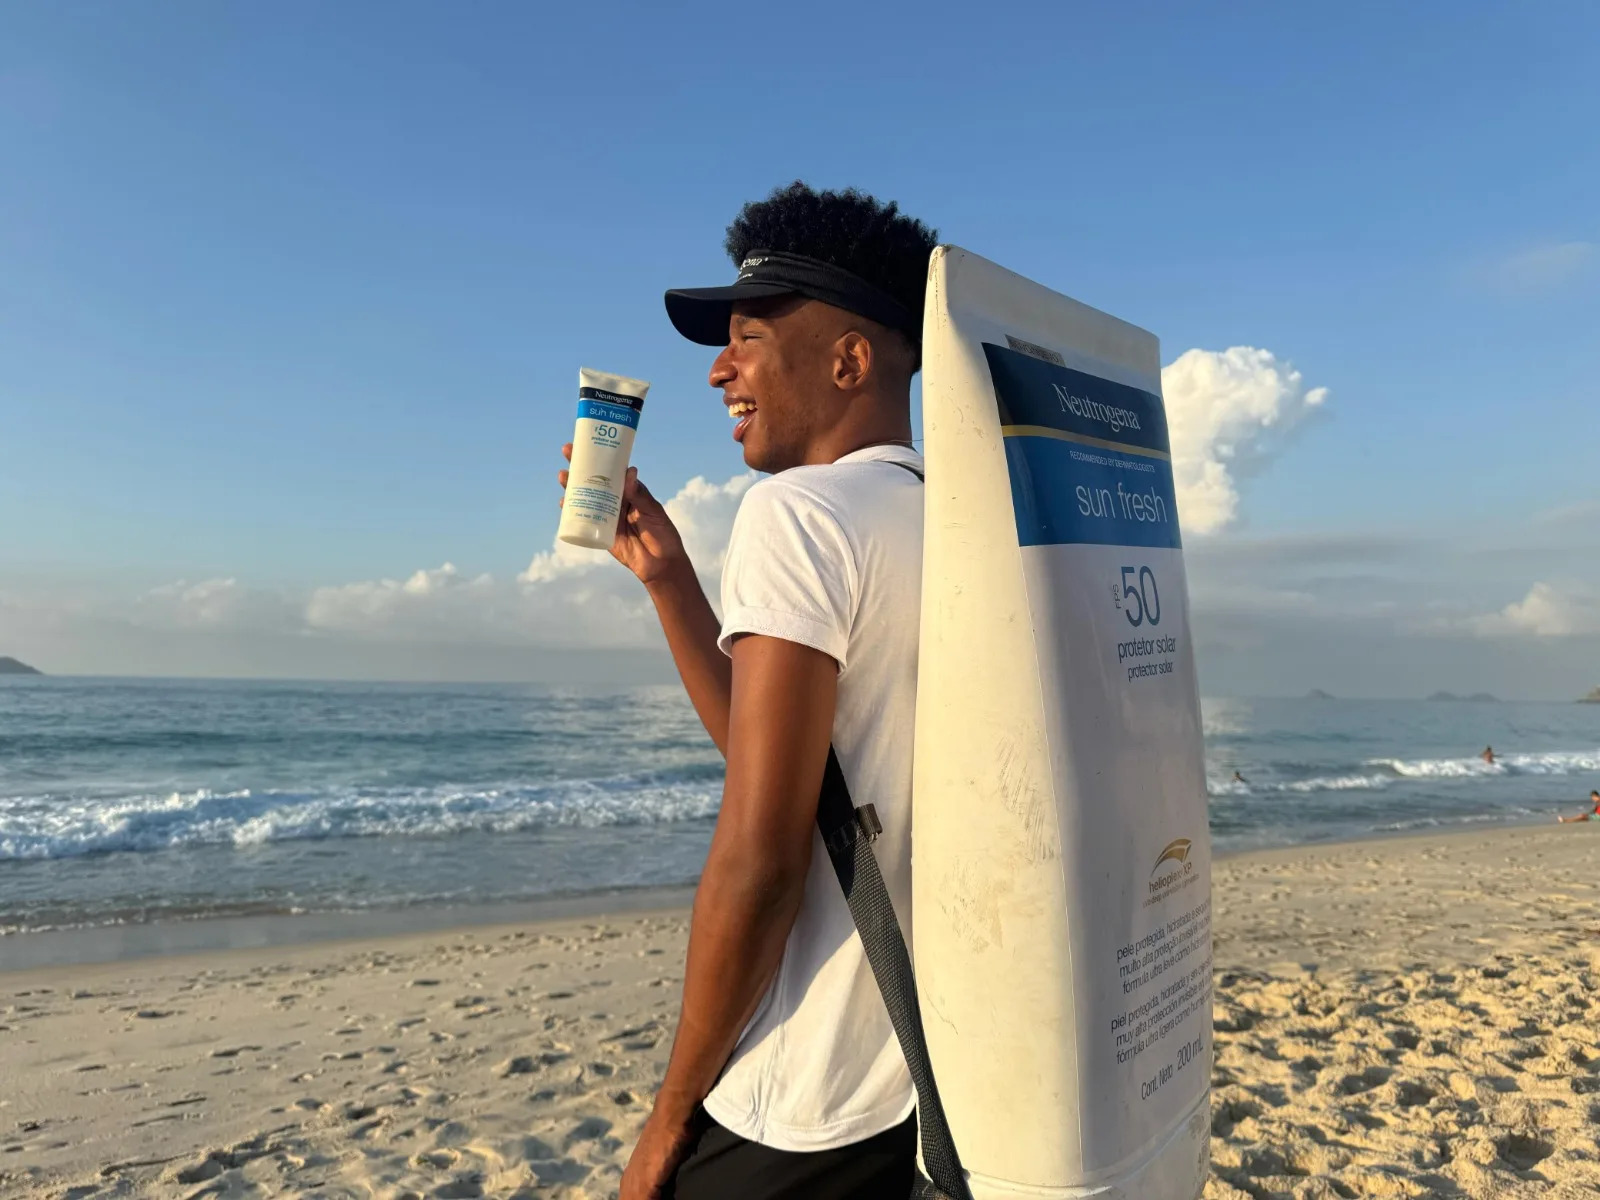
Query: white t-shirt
x,y
831,557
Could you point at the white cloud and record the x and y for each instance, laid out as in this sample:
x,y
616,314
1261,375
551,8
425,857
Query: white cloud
x,y
432,604
219,604
1537,268
567,596
1229,412
1547,611
703,512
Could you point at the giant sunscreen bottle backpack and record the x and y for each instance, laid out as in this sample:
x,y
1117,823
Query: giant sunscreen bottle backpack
x,y
1061,864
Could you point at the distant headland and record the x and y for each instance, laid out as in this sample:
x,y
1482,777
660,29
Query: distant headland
x,y
1318,694
10,666
1592,698
1475,698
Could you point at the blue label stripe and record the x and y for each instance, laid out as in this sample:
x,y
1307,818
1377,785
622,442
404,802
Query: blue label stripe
x,y
1089,459
1032,392
594,393
613,414
1065,494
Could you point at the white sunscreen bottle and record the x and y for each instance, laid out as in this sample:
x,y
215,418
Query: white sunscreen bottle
x,y
608,416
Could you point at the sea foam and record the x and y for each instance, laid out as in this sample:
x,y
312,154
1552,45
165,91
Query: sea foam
x,y
65,826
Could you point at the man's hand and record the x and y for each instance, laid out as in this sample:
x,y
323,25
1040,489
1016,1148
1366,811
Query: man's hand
x,y
662,1146
647,541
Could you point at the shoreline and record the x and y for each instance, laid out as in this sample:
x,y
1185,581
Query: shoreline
x,y
1400,1016
87,945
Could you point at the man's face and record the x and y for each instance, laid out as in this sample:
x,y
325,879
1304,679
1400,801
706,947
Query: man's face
x,y
777,378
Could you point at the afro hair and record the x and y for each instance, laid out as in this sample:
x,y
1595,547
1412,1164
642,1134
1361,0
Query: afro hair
x,y
849,229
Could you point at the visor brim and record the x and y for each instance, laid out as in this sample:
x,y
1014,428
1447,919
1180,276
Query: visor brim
x,y
702,314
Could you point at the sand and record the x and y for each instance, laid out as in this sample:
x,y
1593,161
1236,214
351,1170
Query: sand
x,y
1413,1017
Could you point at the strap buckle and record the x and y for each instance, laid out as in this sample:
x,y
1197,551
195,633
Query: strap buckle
x,y
865,825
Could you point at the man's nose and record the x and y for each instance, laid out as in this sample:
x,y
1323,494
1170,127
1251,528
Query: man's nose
x,y
722,370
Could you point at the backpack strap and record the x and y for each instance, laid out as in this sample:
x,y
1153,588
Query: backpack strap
x,y
848,833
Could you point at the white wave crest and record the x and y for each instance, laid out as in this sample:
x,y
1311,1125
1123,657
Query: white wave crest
x,y
1321,783
1557,762
48,827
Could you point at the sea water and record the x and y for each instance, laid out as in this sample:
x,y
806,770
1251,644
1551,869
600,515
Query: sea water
x,y
130,801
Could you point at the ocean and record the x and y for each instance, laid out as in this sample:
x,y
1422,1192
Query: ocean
x,y
144,801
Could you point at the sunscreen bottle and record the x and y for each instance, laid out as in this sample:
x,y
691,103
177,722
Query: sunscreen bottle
x,y
608,416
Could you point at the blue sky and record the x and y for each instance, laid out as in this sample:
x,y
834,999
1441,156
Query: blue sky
x,y
293,296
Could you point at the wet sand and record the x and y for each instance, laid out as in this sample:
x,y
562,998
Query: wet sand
x,y
1411,1017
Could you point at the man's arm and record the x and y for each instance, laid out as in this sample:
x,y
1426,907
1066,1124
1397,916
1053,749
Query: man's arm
x,y
780,725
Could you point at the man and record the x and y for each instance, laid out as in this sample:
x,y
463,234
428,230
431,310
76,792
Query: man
x,y
1592,815
785,1078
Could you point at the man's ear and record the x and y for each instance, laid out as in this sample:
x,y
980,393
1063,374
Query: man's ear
x,y
852,361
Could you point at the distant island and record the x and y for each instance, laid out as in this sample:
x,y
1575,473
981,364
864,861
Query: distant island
x,y
1592,698
1318,694
1475,698
10,666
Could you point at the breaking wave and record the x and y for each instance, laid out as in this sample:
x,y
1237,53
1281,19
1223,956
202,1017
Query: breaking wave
x,y
68,826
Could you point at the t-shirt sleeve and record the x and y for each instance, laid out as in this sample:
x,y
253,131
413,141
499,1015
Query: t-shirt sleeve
x,y
789,573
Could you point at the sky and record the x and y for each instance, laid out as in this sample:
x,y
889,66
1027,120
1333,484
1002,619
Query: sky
x,y
292,297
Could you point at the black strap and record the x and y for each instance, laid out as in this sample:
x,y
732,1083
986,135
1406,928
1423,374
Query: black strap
x,y
848,832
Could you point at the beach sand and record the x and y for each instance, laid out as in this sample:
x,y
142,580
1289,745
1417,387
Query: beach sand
x,y
1414,1017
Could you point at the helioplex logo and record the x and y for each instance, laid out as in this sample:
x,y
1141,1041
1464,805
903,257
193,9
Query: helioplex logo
x,y
1172,873
1177,851
1093,410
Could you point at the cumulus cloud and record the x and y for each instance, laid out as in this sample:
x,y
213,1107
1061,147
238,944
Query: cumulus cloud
x,y
1229,412
567,596
1547,611
703,512
215,604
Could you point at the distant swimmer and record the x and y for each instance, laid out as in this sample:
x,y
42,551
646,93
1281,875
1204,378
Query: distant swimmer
x,y
1488,755
1238,778
1592,815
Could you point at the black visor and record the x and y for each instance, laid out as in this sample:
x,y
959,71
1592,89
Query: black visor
x,y
702,314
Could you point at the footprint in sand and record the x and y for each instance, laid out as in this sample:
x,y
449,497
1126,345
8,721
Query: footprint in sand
x,y
561,1170
1352,1085
232,1051
440,1160
587,1130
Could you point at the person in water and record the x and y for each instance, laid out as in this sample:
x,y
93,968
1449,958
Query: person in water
x,y
1238,778
1592,815
1488,755
785,1078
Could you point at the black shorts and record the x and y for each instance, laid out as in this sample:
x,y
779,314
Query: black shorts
x,y
725,1166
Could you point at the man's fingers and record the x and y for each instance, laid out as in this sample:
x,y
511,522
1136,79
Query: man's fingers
x,y
566,452
635,493
561,477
